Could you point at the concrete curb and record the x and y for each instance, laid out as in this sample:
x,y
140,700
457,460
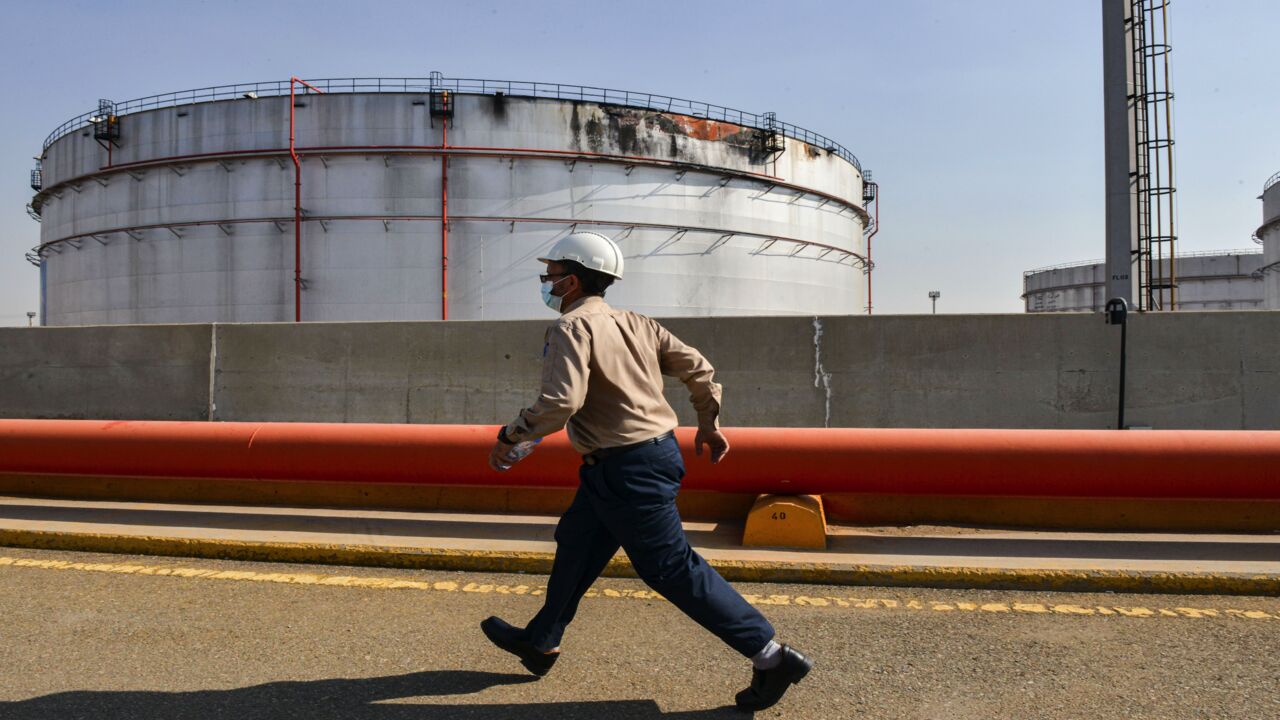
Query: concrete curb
x,y
1179,583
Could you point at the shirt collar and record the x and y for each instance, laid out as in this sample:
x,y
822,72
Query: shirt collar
x,y
582,302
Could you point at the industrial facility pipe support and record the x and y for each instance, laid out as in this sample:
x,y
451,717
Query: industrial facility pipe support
x,y
1186,464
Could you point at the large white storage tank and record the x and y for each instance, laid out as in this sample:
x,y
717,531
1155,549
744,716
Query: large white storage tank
x,y
1209,280
1269,235
181,207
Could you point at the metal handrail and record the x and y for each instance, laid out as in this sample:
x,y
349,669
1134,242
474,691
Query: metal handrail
x,y
468,86
1063,266
1271,181
1179,256
1269,267
1208,253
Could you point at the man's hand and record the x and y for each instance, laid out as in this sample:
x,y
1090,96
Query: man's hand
x,y
713,439
498,456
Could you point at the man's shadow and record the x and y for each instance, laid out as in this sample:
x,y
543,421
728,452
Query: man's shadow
x,y
337,699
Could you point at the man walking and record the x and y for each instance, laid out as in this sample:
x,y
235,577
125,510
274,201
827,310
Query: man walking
x,y
602,377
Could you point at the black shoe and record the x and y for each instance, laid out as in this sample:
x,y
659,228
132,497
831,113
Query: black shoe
x,y
513,640
768,686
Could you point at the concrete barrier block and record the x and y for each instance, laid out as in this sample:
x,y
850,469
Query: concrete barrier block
x,y
786,521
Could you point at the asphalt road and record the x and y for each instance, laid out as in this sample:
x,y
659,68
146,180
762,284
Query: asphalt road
x,y
129,637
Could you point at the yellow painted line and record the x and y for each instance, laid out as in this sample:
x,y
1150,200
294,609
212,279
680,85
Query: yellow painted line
x,y
614,593
755,571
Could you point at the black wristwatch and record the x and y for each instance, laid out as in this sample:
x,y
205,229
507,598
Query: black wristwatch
x,y
502,436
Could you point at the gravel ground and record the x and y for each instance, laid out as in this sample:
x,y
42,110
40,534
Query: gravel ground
x,y
85,644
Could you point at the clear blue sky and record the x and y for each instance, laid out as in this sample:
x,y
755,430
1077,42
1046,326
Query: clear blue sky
x,y
982,120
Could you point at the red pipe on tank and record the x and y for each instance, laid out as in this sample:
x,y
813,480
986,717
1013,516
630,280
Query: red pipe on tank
x,y
297,202
444,222
1188,464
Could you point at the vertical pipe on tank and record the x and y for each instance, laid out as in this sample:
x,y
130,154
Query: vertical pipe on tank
x,y
875,228
1168,130
444,222
297,211
297,201
44,292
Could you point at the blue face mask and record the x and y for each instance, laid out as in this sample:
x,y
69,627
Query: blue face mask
x,y
552,301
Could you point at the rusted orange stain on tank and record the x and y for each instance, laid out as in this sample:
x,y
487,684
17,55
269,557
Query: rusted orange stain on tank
x,y
704,129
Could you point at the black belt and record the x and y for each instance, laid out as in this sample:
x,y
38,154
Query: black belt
x,y
596,456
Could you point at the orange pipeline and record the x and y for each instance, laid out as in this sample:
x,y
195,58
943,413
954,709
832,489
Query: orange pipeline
x,y
1033,463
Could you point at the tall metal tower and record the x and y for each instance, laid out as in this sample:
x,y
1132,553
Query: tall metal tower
x,y
1138,108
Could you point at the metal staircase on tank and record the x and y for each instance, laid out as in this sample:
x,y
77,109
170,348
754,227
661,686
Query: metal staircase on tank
x,y
37,184
106,124
441,100
1152,101
771,138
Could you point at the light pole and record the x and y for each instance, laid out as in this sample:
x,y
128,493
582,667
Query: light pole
x,y
934,295
1117,313
31,318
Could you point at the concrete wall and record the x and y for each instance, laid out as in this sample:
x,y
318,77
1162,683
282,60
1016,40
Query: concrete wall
x,y
1187,370
158,372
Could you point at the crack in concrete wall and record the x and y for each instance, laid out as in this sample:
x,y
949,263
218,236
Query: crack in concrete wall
x,y
821,378
213,368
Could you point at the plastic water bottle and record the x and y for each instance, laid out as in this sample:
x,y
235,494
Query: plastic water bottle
x,y
520,451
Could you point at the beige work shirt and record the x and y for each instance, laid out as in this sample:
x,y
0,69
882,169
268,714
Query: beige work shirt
x,y
602,374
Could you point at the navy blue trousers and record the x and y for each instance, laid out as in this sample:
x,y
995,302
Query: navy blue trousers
x,y
629,499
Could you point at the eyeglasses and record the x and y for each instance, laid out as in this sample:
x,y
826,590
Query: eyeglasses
x,y
547,278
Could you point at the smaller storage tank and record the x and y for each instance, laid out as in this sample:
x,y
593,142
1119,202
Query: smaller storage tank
x,y
1268,235
1211,280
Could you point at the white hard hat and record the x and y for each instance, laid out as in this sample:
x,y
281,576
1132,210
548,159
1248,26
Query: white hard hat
x,y
592,250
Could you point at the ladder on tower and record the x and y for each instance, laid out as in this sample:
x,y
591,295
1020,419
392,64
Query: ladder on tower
x,y
1153,162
